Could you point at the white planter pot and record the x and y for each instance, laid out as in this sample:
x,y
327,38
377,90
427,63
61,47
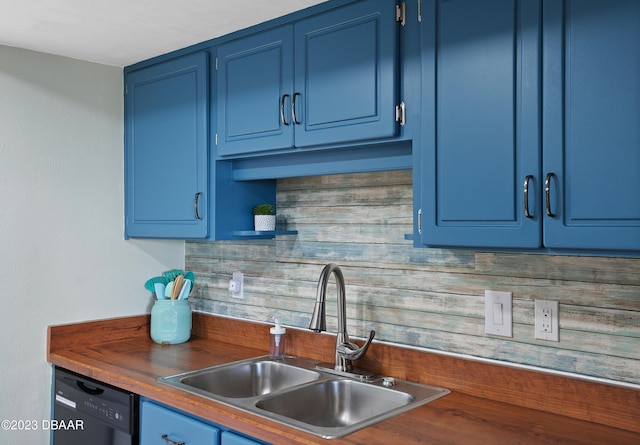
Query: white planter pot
x,y
264,223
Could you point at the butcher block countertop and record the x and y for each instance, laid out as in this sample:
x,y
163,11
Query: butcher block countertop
x,y
488,404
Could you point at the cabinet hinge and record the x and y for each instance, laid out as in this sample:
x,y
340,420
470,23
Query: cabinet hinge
x,y
216,139
216,64
401,11
420,221
401,114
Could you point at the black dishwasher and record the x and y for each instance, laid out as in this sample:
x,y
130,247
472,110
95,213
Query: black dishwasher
x,y
86,411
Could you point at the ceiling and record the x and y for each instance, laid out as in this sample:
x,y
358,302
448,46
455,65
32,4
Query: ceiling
x,y
123,32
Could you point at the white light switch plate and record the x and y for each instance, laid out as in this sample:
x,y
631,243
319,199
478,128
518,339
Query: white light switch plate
x,y
498,318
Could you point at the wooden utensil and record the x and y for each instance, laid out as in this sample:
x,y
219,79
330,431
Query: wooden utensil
x,y
177,285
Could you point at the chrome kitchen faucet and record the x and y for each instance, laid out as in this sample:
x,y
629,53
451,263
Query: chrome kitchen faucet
x,y
345,350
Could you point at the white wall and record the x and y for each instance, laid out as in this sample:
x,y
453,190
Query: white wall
x,y
62,253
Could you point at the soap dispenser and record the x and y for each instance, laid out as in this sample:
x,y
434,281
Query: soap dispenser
x,y
277,341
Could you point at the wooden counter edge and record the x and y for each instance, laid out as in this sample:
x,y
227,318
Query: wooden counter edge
x,y
610,405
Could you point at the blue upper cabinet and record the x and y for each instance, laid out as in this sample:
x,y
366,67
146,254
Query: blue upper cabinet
x,y
591,124
329,79
166,138
526,144
479,142
346,69
255,87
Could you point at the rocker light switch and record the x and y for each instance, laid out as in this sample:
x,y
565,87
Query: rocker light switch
x,y
497,313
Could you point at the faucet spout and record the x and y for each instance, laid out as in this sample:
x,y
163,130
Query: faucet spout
x,y
345,350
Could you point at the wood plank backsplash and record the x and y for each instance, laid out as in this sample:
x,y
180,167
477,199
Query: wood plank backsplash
x,y
431,298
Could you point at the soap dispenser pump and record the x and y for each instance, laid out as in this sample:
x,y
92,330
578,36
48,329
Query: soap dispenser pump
x,y
277,341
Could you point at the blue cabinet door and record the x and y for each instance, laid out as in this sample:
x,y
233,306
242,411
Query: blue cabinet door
x,y
159,425
255,87
479,142
591,123
166,138
328,79
346,68
229,438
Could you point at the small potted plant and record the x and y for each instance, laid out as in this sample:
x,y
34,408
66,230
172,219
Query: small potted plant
x,y
264,218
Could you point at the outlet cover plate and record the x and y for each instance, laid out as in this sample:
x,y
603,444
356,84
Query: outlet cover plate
x,y
236,285
498,317
546,321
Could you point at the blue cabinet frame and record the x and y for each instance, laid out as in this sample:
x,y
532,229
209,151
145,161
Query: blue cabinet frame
x,y
504,98
175,187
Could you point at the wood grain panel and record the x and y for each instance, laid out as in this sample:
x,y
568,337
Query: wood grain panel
x,y
431,298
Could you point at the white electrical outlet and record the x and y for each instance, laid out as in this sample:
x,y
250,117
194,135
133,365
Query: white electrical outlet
x,y
236,285
498,313
546,322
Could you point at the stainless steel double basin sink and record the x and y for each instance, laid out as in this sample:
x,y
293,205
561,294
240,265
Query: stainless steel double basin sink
x,y
298,393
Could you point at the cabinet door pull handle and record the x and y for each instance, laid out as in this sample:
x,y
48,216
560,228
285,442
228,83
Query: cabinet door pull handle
x,y
293,109
547,193
282,117
168,441
195,205
527,179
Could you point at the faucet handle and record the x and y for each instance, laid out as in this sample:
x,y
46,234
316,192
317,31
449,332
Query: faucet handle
x,y
350,351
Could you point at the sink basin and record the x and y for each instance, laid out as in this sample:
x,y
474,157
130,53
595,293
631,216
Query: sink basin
x,y
333,408
250,378
303,395
335,403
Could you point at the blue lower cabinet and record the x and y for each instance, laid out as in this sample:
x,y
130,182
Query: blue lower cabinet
x,y
162,426
229,438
